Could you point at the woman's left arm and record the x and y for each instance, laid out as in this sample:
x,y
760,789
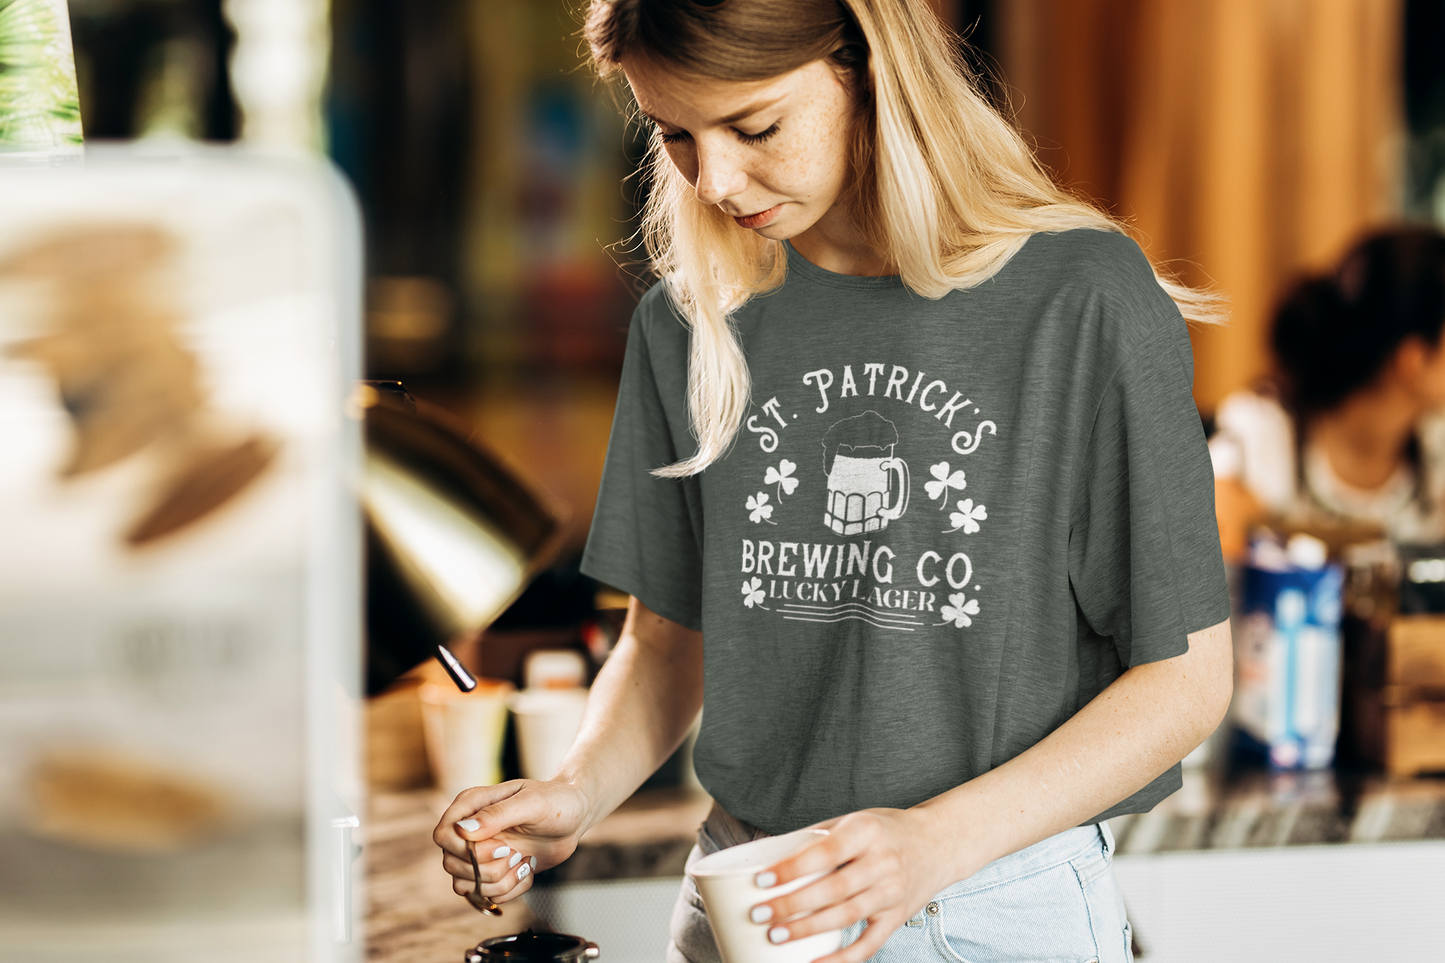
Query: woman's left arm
x,y
890,862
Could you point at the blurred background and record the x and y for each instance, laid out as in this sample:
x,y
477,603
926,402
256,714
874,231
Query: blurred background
x,y
1247,143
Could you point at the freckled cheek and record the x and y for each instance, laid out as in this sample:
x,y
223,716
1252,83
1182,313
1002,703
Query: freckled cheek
x,y
685,161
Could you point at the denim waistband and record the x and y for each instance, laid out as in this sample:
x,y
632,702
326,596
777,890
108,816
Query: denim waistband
x,y
1064,847
726,830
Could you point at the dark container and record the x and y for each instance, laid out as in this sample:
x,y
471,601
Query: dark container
x,y
535,947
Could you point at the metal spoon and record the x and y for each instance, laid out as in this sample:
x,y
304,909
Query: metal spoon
x,y
480,901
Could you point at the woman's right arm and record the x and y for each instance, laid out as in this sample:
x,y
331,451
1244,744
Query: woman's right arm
x,y
640,708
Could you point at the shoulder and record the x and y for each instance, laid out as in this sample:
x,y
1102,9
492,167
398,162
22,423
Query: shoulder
x,y
1096,290
658,342
657,325
655,315
1106,274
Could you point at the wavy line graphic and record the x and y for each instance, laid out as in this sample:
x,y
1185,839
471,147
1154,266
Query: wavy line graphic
x,y
845,618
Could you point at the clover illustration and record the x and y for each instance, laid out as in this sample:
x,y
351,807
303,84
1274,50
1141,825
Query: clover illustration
x,y
753,593
782,476
957,612
760,509
943,481
967,517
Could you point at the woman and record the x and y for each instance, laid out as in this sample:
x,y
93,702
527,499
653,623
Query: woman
x,y
907,486
1361,374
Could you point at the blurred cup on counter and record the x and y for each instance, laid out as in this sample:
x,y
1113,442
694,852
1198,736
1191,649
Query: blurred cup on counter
x,y
547,724
463,732
725,880
555,669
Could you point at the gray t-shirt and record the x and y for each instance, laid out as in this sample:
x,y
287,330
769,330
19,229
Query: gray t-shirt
x,y
946,525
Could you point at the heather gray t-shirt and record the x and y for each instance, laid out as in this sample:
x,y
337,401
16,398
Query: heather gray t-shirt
x,y
946,525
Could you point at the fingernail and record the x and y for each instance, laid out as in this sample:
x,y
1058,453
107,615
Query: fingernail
x,y
533,862
501,851
516,858
762,913
765,880
470,825
522,872
778,934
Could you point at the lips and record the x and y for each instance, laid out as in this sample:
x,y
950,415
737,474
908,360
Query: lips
x,y
760,219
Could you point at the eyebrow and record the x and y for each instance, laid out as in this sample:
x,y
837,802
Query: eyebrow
x,y
735,116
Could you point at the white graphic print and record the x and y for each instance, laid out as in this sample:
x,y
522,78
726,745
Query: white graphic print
x,y
967,517
867,484
942,482
957,612
971,441
853,610
874,564
760,510
782,476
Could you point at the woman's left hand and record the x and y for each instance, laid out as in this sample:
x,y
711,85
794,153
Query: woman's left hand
x,y
885,866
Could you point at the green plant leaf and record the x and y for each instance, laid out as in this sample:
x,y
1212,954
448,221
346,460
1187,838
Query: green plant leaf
x,y
39,102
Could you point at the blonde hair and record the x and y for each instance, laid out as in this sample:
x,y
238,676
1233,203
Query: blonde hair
x,y
942,185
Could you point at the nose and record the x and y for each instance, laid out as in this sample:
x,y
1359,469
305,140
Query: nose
x,y
719,173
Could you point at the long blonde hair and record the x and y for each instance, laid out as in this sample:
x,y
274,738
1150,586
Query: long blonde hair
x,y
942,185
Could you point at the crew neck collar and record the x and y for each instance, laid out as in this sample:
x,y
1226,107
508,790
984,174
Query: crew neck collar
x,y
806,268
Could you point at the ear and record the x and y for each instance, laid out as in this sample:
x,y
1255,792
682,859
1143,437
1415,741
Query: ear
x,y
1413,356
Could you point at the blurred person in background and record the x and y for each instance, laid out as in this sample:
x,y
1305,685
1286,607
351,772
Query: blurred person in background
x,y
864,266
1349,431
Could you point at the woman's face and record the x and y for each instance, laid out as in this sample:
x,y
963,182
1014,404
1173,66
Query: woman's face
x,y
772,154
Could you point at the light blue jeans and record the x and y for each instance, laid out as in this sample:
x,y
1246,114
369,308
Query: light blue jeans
x,y
1055,902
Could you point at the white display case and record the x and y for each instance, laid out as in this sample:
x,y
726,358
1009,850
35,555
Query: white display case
x,y
180,570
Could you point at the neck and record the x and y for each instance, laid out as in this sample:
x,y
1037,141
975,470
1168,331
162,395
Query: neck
x,y
836,244
1365,437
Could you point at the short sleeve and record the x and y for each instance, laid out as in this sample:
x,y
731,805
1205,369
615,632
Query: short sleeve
x,y
1144,557
646,536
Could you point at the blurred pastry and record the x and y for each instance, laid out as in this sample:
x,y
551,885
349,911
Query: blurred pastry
x,y
123,375
111,802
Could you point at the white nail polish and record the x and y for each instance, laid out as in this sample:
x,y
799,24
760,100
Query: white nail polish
x,y
533,862
501,851
523,871
516,858
765,880
469,825
761,914
778,934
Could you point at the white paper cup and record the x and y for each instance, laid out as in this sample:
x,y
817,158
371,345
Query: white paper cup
x,y
725,880
463,732
547,724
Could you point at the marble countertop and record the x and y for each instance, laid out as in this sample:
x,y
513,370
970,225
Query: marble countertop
x,y
1251,809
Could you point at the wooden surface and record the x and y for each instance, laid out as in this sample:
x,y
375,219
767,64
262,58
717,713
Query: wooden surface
x,y
414,917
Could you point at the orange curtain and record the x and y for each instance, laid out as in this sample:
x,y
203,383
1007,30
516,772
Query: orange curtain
x,y
1245,141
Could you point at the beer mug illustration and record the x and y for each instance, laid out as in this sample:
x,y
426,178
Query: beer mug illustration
x,y
867,483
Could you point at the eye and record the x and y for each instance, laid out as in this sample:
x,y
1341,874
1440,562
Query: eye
x,y
673,138
759,137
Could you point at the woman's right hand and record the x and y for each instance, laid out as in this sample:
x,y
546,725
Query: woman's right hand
x,y
515,829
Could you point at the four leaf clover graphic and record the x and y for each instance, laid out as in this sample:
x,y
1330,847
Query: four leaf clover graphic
x,y
967,517
957,611
782,476
943,481
753,593
760,509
